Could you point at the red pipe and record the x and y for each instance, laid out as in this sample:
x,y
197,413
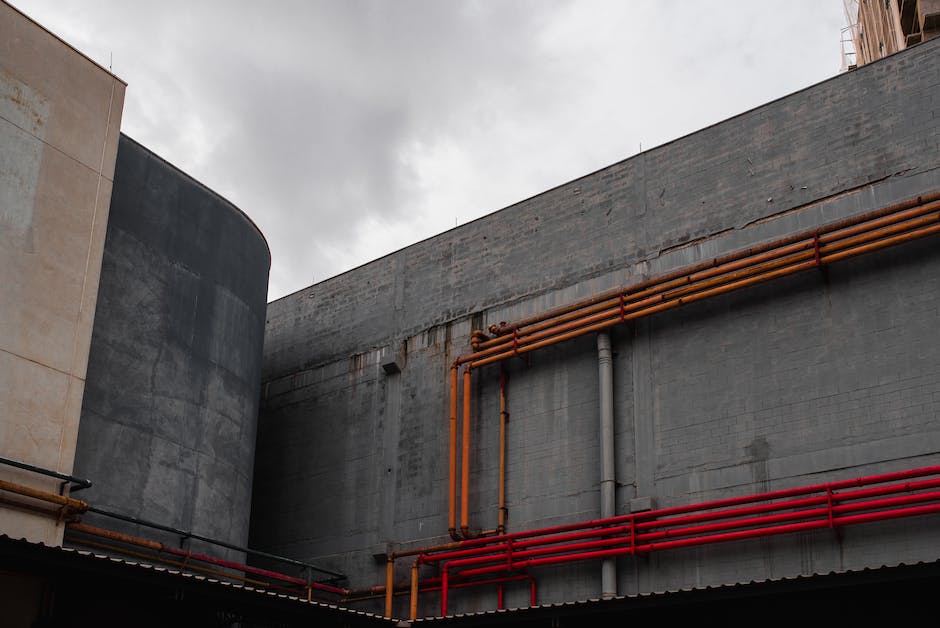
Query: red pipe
x,y
683,532
444,588
256,571
659,523
715,538
433,584
598,530
555,545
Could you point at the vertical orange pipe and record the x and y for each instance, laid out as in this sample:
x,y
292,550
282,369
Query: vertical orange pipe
x,y
414,590
389,585
452,515
503,417
465,459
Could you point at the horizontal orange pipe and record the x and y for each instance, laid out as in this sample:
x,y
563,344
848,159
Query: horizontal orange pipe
x,y
906,237
424,550
522,335
657,297
116,536
876,240
633,293
48,510
641,313
74,504
835,226
874,246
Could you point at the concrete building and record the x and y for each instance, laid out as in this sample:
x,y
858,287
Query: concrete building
x,y
60,114
703,378
817,377
168,419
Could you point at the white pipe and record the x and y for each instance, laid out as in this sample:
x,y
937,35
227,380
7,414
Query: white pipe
x,y
605,372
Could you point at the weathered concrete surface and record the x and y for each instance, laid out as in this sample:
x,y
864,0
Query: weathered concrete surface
x,y
816,377
59,120
170,408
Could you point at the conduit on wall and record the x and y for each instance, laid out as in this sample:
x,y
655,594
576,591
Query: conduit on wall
x,y
608,483
894,224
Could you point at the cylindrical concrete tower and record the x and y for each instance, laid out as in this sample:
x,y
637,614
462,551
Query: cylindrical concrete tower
x,y
170,408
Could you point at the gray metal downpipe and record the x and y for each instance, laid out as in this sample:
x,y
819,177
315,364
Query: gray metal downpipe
x,y
605,372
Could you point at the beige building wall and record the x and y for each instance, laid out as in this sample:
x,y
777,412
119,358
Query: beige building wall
x,y
60,114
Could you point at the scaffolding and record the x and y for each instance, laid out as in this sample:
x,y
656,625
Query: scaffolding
x,y
878,28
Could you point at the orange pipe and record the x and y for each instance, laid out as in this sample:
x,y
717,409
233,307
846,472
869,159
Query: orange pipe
x,y
736,255
897,222
414,591
465,459
641,313
47,510
657,297
116,536
633,293
424,550
874,246
389,586
728,287
476,360
74,504
452,502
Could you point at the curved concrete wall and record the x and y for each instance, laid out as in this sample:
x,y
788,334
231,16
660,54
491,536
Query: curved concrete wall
x,y
170,409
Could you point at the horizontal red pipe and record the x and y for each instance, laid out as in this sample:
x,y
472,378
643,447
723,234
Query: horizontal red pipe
x,y
478,583
809,501
612,536
720,503
256,571
519,542
642,540
715,538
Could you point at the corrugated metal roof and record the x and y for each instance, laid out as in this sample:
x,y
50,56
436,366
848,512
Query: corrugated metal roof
x,y
620,600
148,567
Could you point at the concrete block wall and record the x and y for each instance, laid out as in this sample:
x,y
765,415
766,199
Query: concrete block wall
x,y
816,377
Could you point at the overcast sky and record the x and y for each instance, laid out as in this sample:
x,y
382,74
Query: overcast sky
x,y
347,129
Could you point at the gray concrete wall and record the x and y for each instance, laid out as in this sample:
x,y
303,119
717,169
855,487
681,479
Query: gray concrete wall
x,y
169,416
813,378
59,120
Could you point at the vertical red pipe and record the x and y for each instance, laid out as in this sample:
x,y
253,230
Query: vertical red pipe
x,y
499,597
444,584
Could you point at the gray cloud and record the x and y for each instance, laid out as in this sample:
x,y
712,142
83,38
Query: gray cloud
x,y
347,129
